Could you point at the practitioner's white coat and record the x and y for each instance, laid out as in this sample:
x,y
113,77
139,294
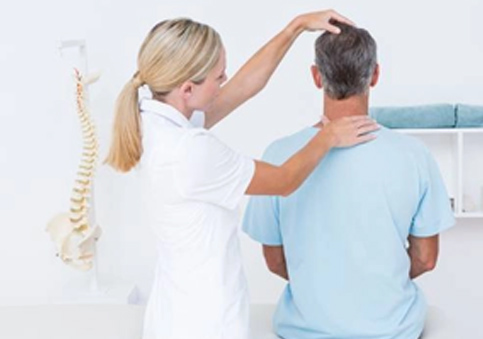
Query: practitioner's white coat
x,y
193,185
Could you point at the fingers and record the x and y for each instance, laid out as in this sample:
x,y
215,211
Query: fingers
x,y
367,129
356,122
321,20
358,118
365,138
363,121
368,123
342,18
333,29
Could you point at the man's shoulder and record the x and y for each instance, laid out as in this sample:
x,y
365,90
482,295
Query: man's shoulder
x,y
403,141
283,148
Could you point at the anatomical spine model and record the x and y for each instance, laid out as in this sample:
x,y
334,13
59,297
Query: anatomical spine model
x,y
75,233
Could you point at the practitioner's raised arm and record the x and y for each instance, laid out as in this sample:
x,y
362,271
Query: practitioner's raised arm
x,y
255,73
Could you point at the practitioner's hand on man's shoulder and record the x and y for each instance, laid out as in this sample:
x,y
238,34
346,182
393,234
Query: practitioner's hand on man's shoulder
x,y
350,131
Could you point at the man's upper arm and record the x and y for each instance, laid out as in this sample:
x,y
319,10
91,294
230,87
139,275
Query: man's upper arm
x,y
434,213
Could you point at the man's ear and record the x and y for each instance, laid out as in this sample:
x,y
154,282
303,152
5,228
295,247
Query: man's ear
x,y
375,76
316,76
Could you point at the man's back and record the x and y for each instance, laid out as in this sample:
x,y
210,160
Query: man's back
x,y
344,236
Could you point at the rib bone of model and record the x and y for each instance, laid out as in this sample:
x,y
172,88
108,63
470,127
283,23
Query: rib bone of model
x,y
73,233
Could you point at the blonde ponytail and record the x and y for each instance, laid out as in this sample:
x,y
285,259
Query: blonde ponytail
x,y
126,144
174,51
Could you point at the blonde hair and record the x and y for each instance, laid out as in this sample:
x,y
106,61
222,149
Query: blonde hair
x,y
175,51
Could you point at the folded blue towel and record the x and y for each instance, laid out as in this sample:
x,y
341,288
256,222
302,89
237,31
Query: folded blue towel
x,y
425,116
469,116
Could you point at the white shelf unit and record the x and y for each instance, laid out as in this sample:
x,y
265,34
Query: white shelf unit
x,y
459,153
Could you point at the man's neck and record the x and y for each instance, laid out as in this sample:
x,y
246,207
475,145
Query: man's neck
x,y
336,109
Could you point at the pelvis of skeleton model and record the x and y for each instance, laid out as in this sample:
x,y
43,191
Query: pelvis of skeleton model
x,y
75,234
75,244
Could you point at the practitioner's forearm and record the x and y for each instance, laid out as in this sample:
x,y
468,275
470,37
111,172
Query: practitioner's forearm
x,y
300,165
254,74
285,179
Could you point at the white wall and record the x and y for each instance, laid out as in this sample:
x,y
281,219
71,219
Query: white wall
x,y
429,51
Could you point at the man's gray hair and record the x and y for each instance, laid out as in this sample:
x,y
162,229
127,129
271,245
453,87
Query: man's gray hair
x,y
346,61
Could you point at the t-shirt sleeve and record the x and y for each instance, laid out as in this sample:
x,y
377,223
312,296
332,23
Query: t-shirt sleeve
x,y
261,221
434,213
212,172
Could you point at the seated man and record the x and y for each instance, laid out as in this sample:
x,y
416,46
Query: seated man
x,y
353,237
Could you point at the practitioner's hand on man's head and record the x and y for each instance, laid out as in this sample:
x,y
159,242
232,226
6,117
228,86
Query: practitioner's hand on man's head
x,y
323,21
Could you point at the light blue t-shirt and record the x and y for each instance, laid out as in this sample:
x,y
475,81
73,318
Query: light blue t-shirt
x,y
344,233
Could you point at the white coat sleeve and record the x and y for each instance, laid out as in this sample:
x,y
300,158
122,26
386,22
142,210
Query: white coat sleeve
x,y
210,171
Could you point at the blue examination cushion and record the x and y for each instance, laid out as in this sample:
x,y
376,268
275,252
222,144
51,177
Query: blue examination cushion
x,y
423,116
469,116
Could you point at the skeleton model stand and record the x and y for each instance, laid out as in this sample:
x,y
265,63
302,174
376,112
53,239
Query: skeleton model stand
x,y
75,233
